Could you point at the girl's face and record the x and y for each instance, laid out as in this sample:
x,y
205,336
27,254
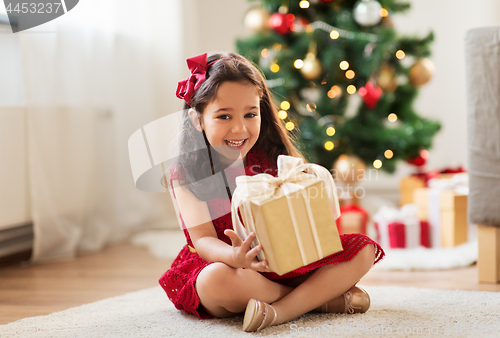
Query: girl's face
x,y
232,120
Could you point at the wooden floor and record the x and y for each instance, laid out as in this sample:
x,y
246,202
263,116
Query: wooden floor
x,y
27,291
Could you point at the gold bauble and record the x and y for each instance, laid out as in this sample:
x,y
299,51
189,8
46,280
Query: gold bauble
x,y
257,19
312,68
421,72
386,79
349,169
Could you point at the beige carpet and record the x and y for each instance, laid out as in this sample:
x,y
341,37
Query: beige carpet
x,y
395,311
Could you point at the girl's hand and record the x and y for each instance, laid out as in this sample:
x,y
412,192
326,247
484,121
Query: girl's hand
x,y
243,256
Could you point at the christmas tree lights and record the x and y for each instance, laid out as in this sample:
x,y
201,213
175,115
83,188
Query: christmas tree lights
x,y
319,55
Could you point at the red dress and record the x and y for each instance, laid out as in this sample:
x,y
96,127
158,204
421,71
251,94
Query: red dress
x,y
179,282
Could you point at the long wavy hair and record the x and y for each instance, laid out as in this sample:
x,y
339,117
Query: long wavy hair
x,y
196,161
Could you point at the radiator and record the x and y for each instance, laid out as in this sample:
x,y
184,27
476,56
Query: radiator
x,y
16,228
15,240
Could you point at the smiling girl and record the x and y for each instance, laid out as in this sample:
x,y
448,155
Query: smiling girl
x,y
229,115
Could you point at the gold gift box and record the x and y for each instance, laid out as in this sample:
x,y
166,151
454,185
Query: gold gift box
x,y
279,236
454,225
421,198
407,187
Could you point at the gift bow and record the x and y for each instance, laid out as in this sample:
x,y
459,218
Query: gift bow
x,y
388,214
198,67
290,171
458,182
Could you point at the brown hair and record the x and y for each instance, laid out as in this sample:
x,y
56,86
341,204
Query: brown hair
x,y
195,164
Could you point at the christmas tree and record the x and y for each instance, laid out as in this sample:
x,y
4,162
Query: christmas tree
x,y
341,74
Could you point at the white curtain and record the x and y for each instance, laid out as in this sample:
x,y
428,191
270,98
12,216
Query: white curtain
x,y
93,77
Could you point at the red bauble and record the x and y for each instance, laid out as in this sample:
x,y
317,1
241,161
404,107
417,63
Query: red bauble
x,y
370,94
281,23
420,159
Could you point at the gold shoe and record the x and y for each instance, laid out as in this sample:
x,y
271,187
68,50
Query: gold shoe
x,y
356,300
258,315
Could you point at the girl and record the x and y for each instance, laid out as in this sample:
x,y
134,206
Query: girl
x,y
229,112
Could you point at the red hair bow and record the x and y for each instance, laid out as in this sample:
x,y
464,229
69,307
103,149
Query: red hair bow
x,y
198,67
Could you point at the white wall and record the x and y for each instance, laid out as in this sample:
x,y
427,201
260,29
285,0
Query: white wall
x,y
213,25
207,26
216,24
444,97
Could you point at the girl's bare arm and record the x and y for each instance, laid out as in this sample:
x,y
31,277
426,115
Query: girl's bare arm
x,y
198,221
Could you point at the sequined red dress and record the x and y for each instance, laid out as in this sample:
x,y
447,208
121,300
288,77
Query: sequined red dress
x,y
179,282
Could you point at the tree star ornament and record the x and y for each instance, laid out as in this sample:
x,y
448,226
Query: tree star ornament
x,y
370,94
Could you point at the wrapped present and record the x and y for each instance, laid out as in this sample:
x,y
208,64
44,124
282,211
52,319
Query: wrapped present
x,y
444,205
421,198
353,219
401,228
454,225
398,232
293,215
409,184
407,187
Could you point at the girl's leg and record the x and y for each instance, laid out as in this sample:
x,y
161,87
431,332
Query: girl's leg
x,y
324,284
225,291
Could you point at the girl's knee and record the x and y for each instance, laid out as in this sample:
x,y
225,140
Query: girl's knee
x,y
214,279
218,281
368,254
212,288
